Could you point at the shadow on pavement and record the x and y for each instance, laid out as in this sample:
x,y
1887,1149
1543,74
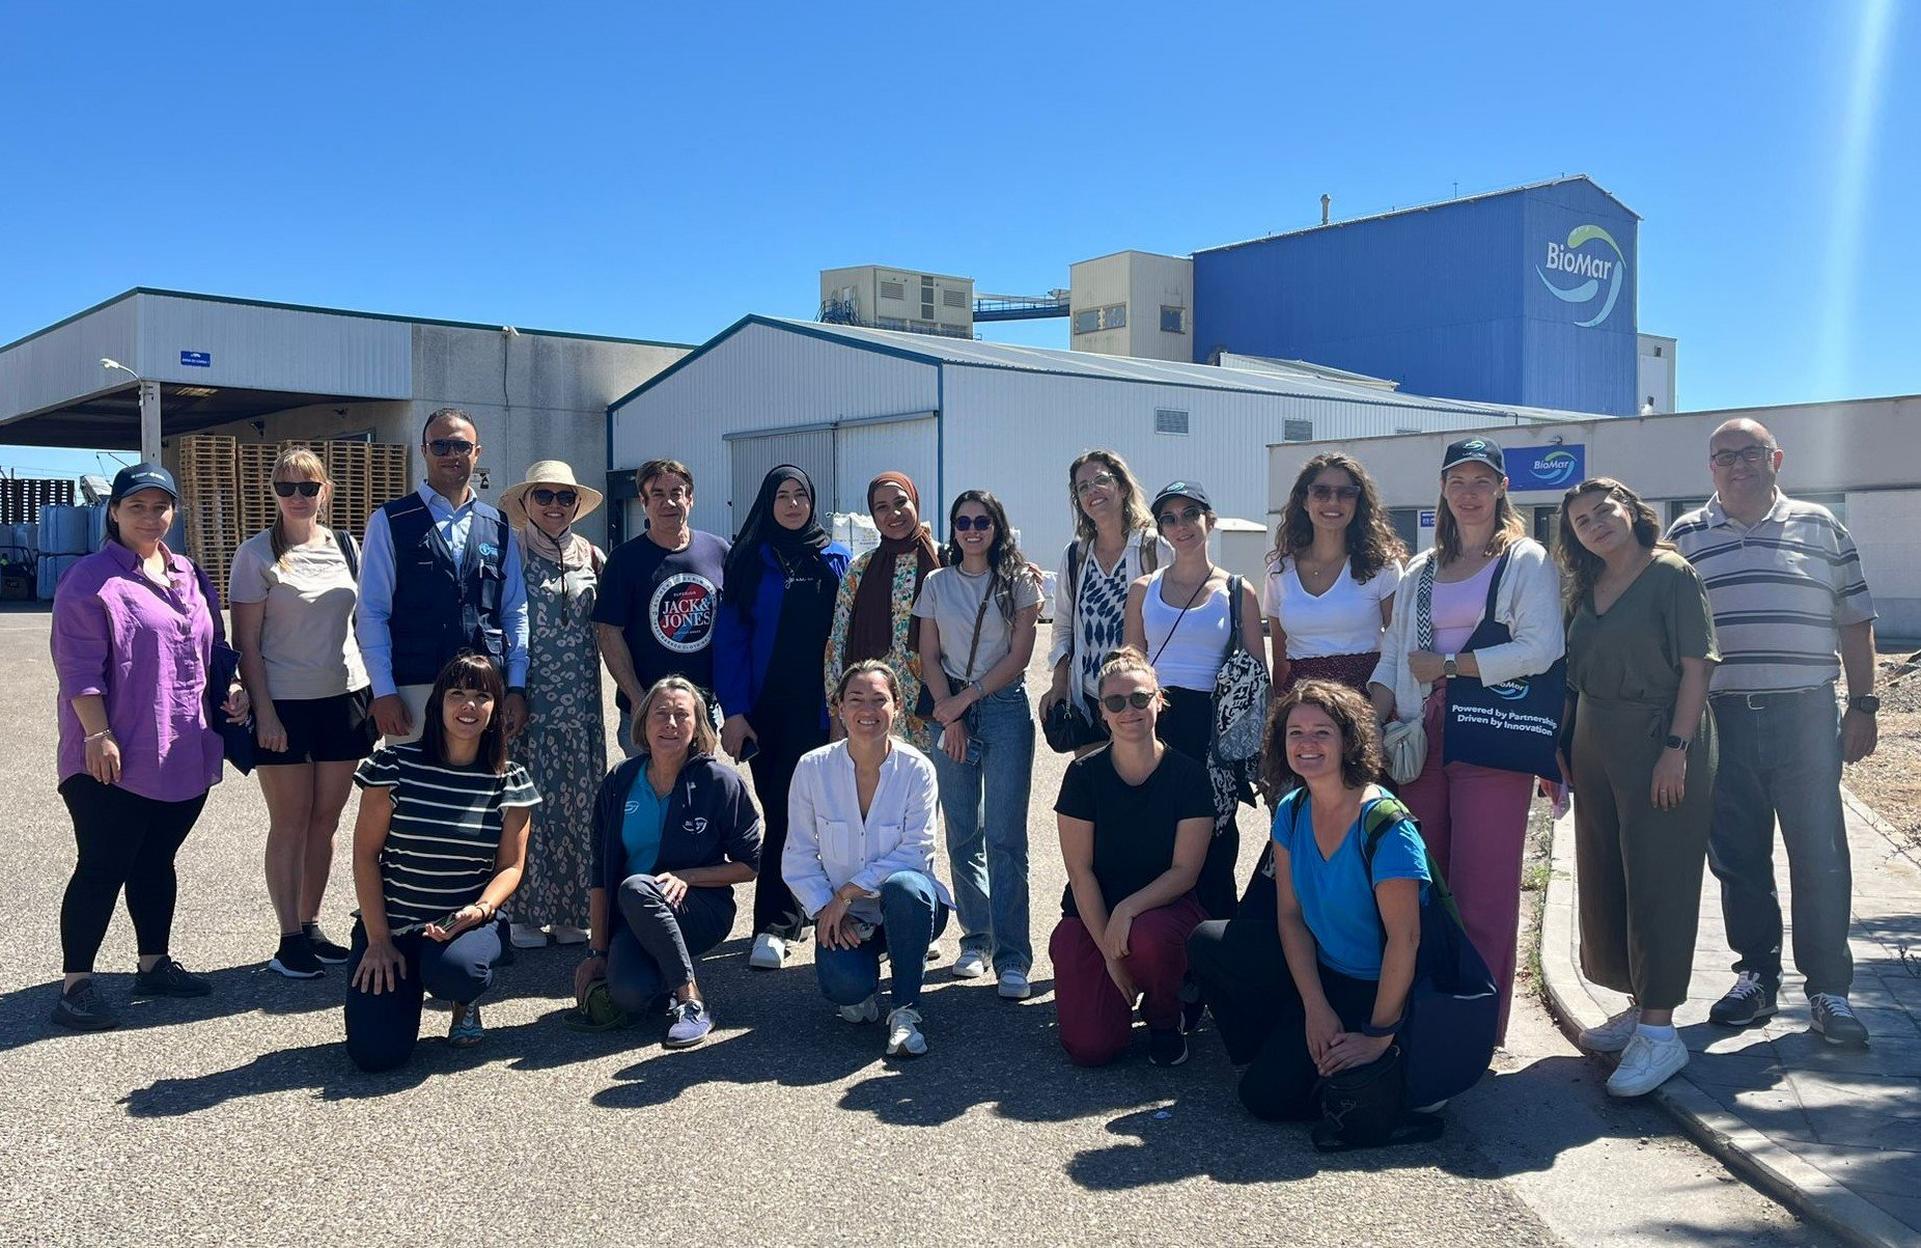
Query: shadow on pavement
x,y
236,990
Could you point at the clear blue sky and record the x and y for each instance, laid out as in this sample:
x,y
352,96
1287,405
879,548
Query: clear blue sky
x,y
629,170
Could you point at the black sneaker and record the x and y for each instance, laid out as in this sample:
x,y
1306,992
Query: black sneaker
x,y
81,1008
297,959
1830,1015
1166,1048
328,951
170,979
1747,1003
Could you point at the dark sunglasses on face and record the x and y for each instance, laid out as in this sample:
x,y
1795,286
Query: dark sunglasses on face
x,y
964,523
306,489
1186,515
1118,702
443,447
1328,493
547,498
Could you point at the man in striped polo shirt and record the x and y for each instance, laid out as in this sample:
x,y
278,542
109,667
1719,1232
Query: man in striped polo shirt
x,y
1791,611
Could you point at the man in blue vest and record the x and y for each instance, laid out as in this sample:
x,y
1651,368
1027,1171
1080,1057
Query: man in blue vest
x,y
439,574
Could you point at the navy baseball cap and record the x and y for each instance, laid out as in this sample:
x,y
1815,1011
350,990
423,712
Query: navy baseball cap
x,y
1474,451
1181,489
138,477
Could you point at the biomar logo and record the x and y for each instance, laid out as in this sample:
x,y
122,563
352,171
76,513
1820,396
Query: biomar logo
x,y
1593,265
1555,468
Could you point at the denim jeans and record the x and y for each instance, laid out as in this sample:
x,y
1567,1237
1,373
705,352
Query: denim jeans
x,y
984,803
912,916
1782,758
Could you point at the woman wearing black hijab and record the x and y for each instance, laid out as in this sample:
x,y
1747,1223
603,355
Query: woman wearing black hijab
x,y
776,606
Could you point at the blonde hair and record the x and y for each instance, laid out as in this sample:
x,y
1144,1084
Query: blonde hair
x,y
706,741
297,463
1126,659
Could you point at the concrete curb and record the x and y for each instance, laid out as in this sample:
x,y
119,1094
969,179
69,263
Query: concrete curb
x,y
1775,1171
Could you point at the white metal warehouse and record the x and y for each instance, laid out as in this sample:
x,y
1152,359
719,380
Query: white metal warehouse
x,y
846,403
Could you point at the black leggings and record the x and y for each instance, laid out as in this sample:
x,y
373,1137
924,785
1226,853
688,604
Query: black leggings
x,y
782,742
124,840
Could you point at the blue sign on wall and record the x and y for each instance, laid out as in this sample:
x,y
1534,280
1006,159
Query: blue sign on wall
x,y
196,359
1545,467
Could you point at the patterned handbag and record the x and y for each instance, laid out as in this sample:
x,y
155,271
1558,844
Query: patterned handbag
x,y
1241,689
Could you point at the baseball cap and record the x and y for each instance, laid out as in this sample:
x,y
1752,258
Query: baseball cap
x,y
1474,451
1181,489
136,477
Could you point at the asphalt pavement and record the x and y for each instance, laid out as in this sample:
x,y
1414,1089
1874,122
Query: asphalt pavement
x,y
238,1118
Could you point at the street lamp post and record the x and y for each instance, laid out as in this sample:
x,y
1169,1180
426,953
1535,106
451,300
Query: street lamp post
x,y
149,411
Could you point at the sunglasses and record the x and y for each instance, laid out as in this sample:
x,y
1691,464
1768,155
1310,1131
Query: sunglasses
x,y
1328,493
547,498
964,523
306,489
1186,515
1140,700
443,447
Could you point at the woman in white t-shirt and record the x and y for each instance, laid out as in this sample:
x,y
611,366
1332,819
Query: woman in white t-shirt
x,y
293,594
1332,575
976,617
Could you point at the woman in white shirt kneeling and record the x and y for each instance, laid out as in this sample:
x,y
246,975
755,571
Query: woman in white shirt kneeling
x,y
860,858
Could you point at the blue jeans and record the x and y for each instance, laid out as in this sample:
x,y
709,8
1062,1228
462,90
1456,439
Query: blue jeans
x,y
1781,757
912,916
984,802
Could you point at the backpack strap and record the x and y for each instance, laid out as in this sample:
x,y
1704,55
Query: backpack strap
x,y
1150,552
1385,813
349,551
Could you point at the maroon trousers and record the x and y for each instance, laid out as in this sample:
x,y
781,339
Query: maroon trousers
x,y
1095,1020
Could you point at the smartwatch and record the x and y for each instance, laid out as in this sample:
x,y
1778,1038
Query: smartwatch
x,y
1677,743
1448,669
1867,704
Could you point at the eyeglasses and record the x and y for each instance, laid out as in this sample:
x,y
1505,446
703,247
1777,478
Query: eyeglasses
x,y
1328,493
1099,481
1140,700
1186,515
964,523
547,498
1753,453
440,448
306,489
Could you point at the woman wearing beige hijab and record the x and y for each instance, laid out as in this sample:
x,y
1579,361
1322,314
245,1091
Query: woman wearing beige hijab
x,y
564,746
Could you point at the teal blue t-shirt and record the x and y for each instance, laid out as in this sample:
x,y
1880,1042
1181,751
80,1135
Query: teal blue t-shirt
x,y
640,824
1337,900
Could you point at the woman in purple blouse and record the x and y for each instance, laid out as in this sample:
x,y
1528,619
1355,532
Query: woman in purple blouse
x,y
133,635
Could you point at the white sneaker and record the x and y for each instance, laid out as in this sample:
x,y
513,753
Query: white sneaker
x,y
867,1011
1014,985
903,1033
1613,1035
565,935
769,952
1646,1065
527,936
972,964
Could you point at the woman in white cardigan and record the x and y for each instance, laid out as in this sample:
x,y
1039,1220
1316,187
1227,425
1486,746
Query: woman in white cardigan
x,y
1473,818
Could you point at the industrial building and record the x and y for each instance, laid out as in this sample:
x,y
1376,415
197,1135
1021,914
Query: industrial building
x,y
1858,458
266,372
845,403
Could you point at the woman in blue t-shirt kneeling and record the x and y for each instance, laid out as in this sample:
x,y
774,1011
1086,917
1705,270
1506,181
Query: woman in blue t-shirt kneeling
x,y
674,831
1349,935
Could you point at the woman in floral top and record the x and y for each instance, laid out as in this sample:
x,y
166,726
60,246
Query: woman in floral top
x,y
874,614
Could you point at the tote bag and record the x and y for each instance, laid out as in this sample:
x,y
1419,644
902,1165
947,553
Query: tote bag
x,y
1512,726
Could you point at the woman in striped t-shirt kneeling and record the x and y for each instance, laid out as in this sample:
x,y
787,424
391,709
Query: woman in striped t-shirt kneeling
x,y
432,867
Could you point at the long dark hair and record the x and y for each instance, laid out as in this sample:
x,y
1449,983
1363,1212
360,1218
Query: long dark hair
x,y
1372,543
1582,565
1362,761
477,672
1005,562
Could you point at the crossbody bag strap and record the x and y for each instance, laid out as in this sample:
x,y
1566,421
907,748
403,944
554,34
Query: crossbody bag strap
x,y
1155,588
1424,608
974,646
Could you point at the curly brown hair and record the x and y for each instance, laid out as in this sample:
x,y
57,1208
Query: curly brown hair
x,y
1372,542
1582,565
1362,762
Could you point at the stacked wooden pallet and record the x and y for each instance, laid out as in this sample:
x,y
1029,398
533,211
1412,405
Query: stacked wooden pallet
x,y
210,492
365,475
254,464
227,489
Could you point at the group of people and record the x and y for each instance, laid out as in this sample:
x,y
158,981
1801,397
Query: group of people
x,y
452,661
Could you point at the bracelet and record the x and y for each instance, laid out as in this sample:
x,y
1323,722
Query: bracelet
x,y
1377,1033
92,737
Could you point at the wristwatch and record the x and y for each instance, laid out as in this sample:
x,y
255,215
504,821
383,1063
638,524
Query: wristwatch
x,y
1867,704
596,953
1448,669
1677,743
980,690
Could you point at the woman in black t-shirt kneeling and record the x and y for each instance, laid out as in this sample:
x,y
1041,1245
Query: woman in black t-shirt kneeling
x,y
1135,820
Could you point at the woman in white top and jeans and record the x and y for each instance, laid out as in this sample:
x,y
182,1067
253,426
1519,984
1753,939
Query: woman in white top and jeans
x,y
1333,571
1179,617
1113,546
1473,818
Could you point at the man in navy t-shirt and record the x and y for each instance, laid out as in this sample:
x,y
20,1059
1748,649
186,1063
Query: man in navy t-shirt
x,y
658,596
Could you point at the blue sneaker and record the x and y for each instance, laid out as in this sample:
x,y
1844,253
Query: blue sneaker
x,y
466,1030
691,1024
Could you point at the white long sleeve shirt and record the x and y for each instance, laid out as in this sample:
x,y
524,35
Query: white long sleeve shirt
x,y
829,842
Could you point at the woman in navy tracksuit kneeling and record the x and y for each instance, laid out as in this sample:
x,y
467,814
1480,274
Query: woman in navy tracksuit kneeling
x,y
674,831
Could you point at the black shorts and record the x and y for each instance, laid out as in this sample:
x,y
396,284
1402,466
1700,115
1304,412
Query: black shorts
x,y
339,729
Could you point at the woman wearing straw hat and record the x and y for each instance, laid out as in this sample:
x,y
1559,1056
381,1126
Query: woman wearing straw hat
x,y
564,746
